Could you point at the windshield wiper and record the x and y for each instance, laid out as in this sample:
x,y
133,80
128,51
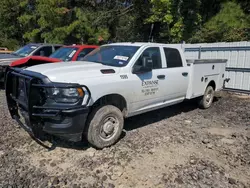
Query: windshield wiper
x,y
114,65
93,61
106,64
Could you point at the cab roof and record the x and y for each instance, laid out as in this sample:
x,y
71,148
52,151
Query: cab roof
x,y
81,46
140,44
44,44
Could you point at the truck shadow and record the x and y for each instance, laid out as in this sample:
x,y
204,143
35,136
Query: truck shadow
x,y
133,123
148,118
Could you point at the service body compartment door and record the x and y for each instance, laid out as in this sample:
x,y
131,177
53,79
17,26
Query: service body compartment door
x,y
202,73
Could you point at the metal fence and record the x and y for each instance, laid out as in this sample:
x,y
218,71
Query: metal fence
x,y
238,65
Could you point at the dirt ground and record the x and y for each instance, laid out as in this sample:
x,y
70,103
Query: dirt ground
x,y
179,146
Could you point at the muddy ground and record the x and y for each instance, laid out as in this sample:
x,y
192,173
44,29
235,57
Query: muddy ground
x,y
179,146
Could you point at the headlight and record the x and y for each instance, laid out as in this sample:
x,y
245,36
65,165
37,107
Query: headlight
x,y
65,95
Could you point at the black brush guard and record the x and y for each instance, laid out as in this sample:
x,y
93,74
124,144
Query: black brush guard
x,y
35,109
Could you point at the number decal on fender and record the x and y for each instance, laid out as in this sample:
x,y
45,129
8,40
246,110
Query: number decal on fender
x,y
124,77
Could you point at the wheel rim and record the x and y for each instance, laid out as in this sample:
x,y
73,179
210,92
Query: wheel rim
x,y
209,97
109,128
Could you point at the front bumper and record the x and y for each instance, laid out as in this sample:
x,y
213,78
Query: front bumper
x,y
65,121
67,124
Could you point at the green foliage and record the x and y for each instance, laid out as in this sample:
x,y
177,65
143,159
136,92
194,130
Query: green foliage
x,y
9,12
230,24
90,21
161,11
84,28
9,43
178,19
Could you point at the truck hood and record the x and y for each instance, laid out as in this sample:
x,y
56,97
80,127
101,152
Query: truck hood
x,y
7,59
73,72
33,60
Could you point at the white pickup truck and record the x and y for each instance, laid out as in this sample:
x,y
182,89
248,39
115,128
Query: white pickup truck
x,y
90,99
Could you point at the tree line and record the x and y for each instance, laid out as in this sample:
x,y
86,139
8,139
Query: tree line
x,y
101,21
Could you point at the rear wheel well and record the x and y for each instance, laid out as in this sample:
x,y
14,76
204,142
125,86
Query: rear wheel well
x,y
112,99
212,83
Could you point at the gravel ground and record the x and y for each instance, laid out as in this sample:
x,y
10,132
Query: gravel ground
x,y
179,146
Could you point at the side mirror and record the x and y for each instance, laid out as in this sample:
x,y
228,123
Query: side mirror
x,y
147,66
42,53
147,63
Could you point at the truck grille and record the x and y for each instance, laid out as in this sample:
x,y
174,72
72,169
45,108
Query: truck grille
x,y
20,89
28,90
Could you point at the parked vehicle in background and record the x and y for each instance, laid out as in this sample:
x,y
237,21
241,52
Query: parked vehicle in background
x,y
37,49
115,81
73,53
4,50
65,53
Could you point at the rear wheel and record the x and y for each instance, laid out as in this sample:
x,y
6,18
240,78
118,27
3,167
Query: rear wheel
x,y
207,99
104,126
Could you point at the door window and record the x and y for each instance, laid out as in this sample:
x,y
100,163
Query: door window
x,y
57,47
154,54
173,58
44,51
83,53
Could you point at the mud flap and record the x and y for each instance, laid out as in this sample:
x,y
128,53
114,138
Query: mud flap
x,y
225,81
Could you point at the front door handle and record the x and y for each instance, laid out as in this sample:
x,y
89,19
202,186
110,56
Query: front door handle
x,y
161,76
184,73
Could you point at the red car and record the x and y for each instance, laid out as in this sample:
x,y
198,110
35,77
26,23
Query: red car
x,y
65,53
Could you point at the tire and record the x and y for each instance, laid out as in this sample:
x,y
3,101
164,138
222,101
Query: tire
x,y
206,101
104,126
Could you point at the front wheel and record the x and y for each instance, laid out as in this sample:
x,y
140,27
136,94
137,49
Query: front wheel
x,y
207,99
104,126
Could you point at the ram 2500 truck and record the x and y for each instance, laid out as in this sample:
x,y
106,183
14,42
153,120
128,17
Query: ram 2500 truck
x,y
90,99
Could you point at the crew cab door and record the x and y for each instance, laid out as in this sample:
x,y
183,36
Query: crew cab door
x,y
177,75
147,88
165,85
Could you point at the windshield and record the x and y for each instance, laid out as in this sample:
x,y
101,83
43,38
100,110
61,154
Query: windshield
x,y
26,50
64,53
118,56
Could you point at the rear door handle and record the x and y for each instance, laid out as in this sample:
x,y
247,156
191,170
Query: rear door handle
x,y
184,73
161,76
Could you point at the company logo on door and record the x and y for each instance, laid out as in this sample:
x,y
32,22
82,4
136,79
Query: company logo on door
x,y
151,83
150,87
